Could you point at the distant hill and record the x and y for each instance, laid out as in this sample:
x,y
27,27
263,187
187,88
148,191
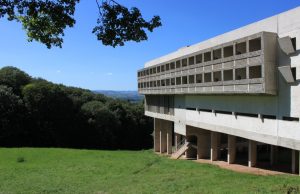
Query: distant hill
x,y
131,96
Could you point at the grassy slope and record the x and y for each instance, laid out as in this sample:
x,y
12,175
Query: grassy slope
x,y
83,171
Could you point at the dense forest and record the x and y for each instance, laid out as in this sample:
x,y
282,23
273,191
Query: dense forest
x,y
37,113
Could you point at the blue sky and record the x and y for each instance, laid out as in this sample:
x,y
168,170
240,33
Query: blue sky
x,y
84,62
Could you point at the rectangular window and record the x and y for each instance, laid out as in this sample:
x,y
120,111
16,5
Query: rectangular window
x,y
217,76
199,58
293,69
204,110
207,77
163,83
223,112
184,79
207,56
178,80
269,117
294,42
190,108
158,69
255,72
217,54
240,48
151,71
191,60
247,114
254,44
199,78
191,79
240,73
172,81
167,67
158,83
228,51
154,70
178,64
184,62
172,65
162,68
167,82
228,75
154,83
290,118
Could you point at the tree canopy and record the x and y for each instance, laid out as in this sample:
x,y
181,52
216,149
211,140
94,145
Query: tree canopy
x,y
14,78
38,113
45,20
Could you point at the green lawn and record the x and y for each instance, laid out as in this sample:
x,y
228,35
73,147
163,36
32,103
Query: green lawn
x,y
85,171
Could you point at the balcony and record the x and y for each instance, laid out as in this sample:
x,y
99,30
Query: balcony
x,y
243,66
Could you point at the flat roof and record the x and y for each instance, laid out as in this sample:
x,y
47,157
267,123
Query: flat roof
x,y
270,24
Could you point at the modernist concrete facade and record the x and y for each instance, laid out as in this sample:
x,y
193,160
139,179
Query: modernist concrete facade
x,y
234,97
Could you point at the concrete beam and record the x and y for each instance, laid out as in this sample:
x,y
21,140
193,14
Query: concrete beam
x,y
252,153
231,155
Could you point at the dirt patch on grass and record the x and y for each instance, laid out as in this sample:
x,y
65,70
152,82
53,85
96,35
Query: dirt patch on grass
x,y
240,168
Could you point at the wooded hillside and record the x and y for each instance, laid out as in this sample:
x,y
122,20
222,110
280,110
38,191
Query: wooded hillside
x,y
37,113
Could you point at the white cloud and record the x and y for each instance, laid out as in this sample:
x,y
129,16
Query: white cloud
x,y
58,71
109,74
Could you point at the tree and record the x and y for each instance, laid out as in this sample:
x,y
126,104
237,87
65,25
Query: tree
x,y
103,122
46,20
51,113
12,113
14,78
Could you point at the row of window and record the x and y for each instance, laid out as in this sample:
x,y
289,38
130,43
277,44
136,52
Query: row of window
x,y
228,51
228,75
160,104
262,116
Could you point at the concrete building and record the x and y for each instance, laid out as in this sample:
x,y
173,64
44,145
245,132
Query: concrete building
x,y
234,97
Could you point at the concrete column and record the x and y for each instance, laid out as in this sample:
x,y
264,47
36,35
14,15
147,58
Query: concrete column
x,y
214,148
177,140
252,153
163,142
169,140
295,161
203,144
165,136
231,149
156,138
273,154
